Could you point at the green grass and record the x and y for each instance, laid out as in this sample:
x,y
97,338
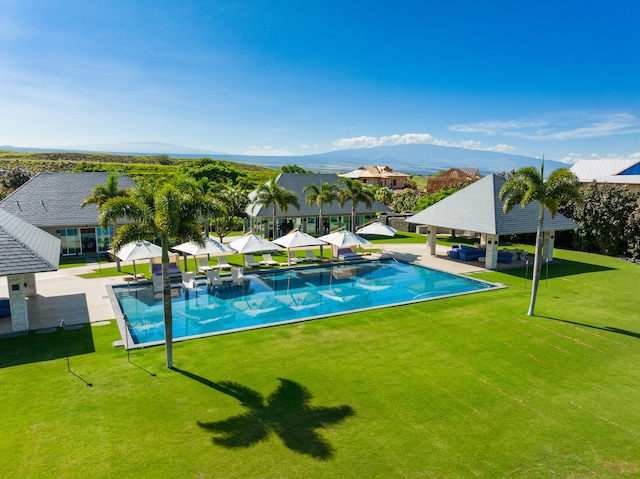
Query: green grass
x,y
457,388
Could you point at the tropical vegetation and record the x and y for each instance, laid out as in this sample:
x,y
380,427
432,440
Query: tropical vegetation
x,y
271,194
325,194
527,185
356,192
165,210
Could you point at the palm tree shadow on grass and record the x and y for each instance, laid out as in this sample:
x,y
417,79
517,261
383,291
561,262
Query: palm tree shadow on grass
x,y
287,412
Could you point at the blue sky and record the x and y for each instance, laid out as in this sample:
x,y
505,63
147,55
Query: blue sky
x,y
559,78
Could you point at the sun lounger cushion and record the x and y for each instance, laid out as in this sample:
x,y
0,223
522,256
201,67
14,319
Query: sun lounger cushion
x,y
346,253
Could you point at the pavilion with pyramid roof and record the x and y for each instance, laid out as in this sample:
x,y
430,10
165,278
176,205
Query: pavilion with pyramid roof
x,y
477,208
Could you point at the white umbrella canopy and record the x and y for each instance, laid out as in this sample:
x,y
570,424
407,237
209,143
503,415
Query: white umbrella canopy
x,y
251,243
297,239
137,250
211,247
377,228
344,239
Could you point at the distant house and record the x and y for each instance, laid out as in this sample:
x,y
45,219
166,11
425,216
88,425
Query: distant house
x,y
51,201
615,172
306,218
378,176
452,177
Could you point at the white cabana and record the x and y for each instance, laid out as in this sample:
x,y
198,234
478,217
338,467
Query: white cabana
x,y
210,247
137,250
377,228
298,239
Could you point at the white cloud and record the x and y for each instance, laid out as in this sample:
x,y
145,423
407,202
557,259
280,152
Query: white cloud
x,y
267,151
558,126
304,147
413,139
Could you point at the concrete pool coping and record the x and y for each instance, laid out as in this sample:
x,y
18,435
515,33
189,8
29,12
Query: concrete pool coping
x,y
64,295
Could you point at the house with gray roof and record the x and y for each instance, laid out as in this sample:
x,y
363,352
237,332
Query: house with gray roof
x,y
477,208
51,201
616,172
306,218
24,251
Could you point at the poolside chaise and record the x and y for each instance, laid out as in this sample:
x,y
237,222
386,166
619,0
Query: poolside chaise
x,y
250,262
174,269
189,281
5,309
237,275
347,253
267,260
203,265
223,263
213,278
309,256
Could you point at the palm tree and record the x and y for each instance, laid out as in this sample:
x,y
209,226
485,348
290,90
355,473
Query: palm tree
x,y
527,185
356,192
274,195
101,194
157,210
325,194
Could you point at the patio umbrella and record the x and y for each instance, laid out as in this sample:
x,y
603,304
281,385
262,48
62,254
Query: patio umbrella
x,y
137,250
344,239
297,239
211,247
377,228
251,243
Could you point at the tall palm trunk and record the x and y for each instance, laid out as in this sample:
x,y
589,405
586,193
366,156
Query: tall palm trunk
x,y
537,262
166,294
274,222
353,216
320,225
118,267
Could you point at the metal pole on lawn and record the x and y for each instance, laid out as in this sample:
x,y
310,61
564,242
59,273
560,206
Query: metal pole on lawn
x,y
64,343
126,336
547,279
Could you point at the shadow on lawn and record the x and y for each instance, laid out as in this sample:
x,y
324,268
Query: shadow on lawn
x,y
608,329
557,269
34,347
286,412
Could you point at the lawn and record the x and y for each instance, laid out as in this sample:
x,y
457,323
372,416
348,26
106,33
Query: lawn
x,y
454,388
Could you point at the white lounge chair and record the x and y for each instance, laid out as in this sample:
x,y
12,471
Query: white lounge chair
x,y
157,283
203,265
250,262
189,281
309,256
267,260
237,275
213,278
293,259
223,263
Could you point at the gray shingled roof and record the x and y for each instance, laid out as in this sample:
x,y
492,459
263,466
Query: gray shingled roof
x,y
53,199
25,248
477,208
296,182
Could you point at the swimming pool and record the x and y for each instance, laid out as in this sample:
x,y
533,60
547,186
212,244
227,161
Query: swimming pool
x,y
283,296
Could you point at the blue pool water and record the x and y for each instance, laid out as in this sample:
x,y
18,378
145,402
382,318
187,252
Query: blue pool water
x,y
286,295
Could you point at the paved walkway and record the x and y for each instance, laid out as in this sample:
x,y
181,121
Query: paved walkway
x,y
63,295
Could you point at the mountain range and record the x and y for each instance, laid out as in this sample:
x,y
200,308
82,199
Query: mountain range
x,y
416,159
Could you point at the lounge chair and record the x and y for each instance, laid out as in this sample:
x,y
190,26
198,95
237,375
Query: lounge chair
x,y
309,256
213,278
223,263
293,259
346,254
267,260
189,281
250,262
157,283
237,275
203,265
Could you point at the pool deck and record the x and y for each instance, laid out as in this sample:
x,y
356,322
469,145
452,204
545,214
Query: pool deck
x,y
63,295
